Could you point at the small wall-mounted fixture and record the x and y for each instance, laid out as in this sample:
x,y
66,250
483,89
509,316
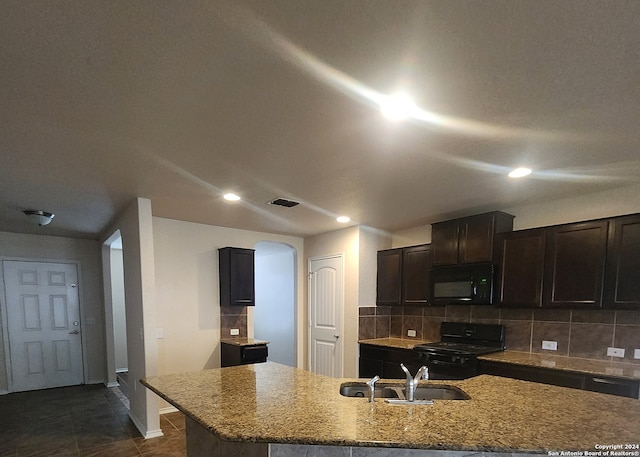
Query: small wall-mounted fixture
x,y
39,217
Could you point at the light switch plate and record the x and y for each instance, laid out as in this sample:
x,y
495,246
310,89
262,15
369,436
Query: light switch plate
x,y
615,352
636,353
411,333
234,332
550,345
159,333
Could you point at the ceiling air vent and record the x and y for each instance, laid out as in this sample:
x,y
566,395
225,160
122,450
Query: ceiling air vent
x,y
284,202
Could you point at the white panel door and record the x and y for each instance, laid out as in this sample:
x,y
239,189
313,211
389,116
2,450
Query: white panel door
x,y
326,303
43,321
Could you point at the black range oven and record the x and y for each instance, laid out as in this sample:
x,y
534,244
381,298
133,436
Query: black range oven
x,y
455,355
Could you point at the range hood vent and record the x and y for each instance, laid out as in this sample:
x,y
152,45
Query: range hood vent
x,y
284,202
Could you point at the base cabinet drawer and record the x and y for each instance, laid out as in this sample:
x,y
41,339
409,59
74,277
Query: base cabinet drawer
x,y
603,384
533,374
615,386
232,355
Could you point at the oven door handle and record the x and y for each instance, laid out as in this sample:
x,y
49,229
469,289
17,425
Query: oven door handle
x,y
439,362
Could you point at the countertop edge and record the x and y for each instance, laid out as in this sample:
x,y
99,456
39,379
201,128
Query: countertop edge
x,y
244,342
630,371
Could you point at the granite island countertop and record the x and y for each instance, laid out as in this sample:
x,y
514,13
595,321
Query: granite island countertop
x,y
274,403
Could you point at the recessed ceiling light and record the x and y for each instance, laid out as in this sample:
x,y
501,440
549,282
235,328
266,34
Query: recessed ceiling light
x,y
231,197
343,219
519,172
397,107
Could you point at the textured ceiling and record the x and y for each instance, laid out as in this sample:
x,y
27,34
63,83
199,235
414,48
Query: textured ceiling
x,y
177,102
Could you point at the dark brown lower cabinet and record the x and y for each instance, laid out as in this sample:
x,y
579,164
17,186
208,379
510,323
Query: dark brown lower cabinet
x,y
385,361
233,354
603,384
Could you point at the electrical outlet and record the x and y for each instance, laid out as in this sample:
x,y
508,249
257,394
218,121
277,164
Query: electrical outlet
x,y
636,353
234,332
550,345
411,333
615,352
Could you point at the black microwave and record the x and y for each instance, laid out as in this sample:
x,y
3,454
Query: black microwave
x,y
462,284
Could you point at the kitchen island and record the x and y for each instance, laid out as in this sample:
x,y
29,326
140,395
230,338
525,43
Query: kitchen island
x,y
276,410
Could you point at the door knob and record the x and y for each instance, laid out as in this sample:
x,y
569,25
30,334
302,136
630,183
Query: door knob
x,y
336,336
75,332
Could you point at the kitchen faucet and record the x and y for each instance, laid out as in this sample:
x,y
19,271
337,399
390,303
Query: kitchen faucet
x,y
412,382
372,387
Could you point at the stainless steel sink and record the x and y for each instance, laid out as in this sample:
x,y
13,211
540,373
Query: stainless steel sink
x,y
362,390
422,393
439,393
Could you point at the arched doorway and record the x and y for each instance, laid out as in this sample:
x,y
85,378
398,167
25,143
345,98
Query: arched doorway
x,y
275,310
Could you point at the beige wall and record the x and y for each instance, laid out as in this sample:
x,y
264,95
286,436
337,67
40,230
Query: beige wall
x,y
343,242
135,226
411,236
119,310
87,252
370,242
187,290
614,202
359,246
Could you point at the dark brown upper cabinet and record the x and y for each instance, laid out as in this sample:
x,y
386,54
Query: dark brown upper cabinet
x,y
469,239
574,264
389,278
403,276
416,263
521,268
237,276
622,276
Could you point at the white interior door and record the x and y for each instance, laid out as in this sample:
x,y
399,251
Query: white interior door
x,y
326,303
43,322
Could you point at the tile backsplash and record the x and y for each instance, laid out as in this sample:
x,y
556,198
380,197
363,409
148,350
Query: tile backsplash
x,y
578,333
233,317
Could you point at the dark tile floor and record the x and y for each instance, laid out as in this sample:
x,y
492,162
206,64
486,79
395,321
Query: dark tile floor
x,y
82,421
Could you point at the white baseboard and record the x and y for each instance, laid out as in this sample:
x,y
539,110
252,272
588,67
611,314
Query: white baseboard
x,y
153,434
95,381
167,410
112,384
4,392
146,434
